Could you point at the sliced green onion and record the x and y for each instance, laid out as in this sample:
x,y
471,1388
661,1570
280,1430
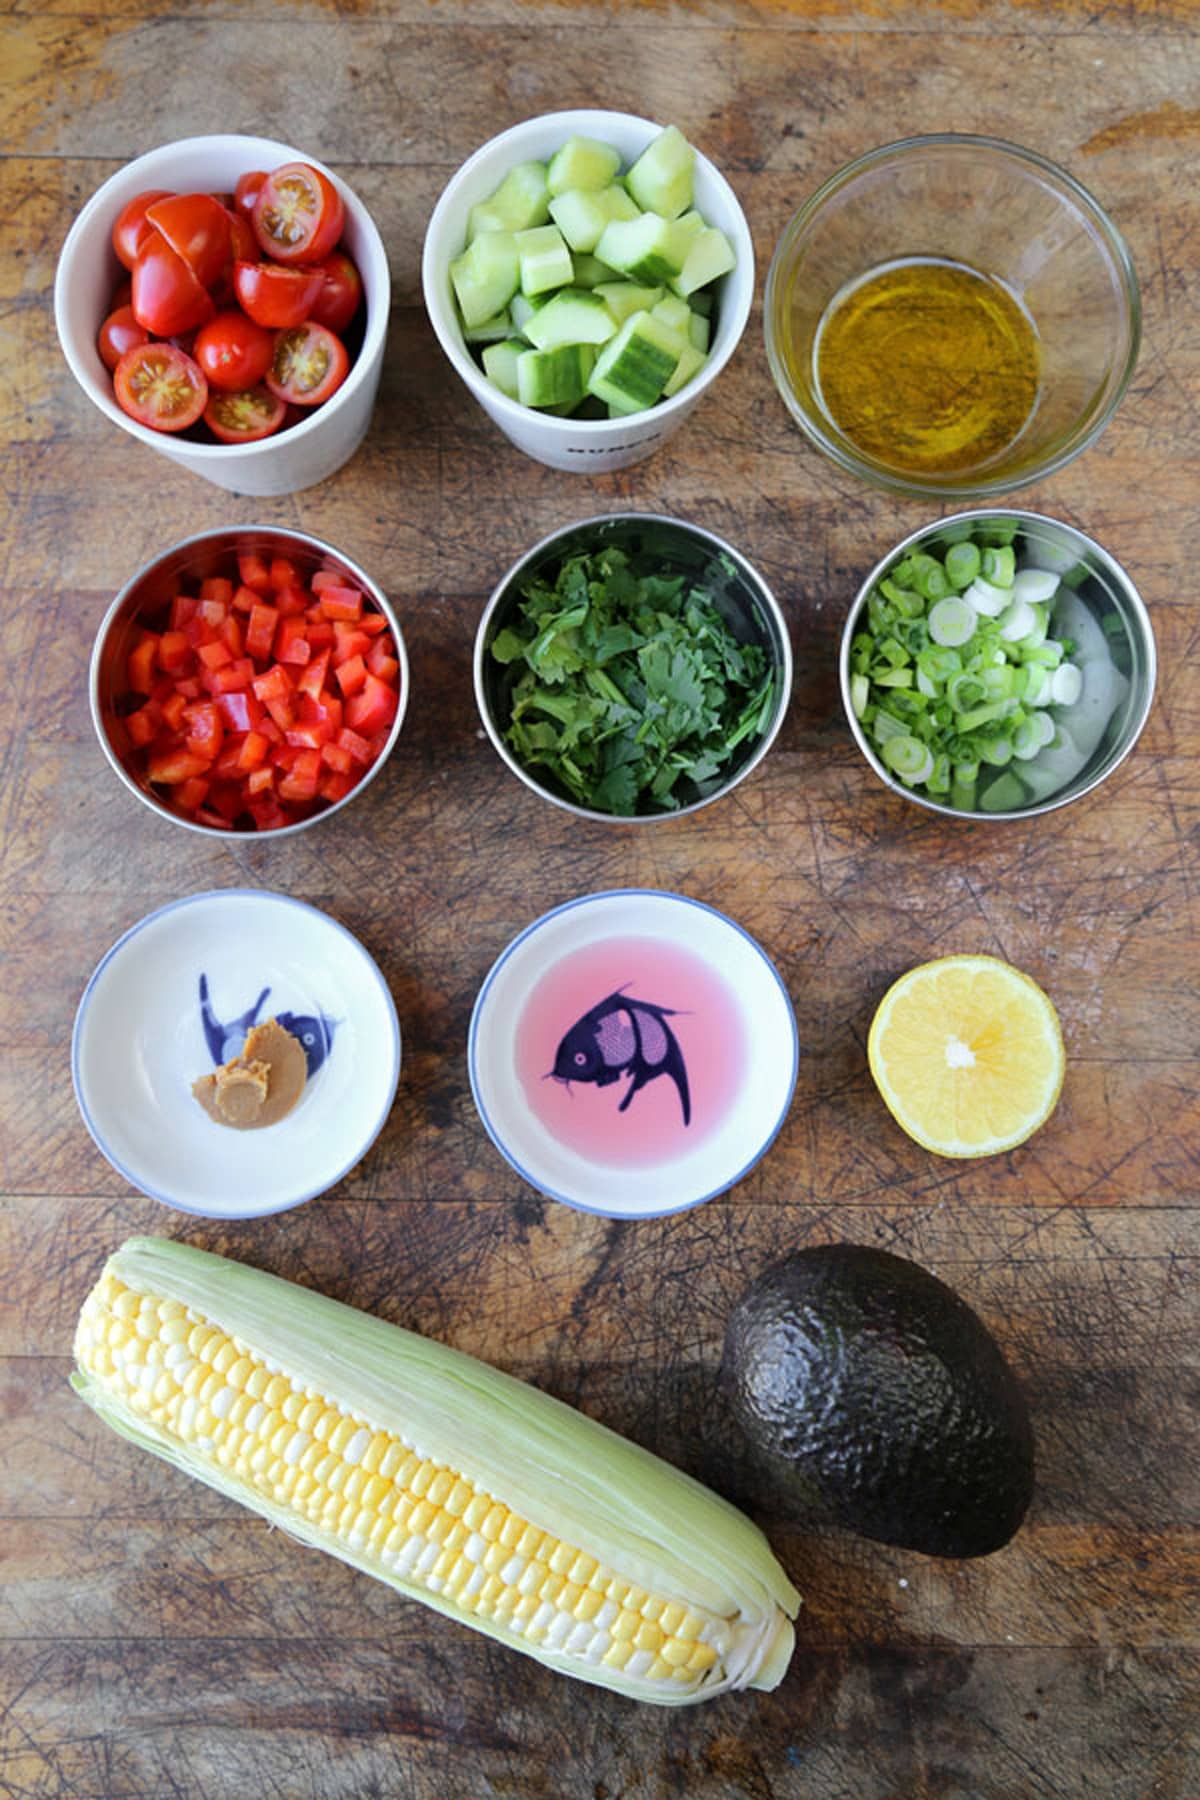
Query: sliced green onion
x,y
860,693
1017,622
997,751
1066,685
963,563
964,691
908,757
1035,586
1000,566
952,623
988,600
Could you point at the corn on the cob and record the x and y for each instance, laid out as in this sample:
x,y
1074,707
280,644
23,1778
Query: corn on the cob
x,y
459,1485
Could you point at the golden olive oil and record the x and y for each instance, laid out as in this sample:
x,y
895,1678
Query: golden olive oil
x,y
928,367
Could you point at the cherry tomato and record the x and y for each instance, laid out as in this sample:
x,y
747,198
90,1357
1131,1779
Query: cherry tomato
x,y
161,387
247,191
244,242
275,296
197,228
233,351
131,226
244,417
299,215
120,332
167,298
309,364
339,299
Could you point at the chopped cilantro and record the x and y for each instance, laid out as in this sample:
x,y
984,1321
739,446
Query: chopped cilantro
x,y
627,687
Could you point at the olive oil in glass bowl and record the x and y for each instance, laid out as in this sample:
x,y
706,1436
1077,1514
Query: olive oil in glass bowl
x,y
952,316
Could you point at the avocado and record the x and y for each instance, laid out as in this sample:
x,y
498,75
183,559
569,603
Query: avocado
x,y
874,1396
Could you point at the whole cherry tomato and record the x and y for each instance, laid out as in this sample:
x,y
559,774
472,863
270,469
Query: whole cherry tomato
x,y
167,298
161,387
120,332
244,417
275,296
247,191
309,364
299,214
341,295
197,228
131,226
233,351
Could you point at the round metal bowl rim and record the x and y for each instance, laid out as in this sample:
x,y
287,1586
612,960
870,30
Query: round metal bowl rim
x,y
784,663
983,489
374,593
1109,563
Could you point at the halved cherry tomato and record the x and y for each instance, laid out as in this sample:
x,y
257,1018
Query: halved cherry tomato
x,y
275,296
299,214
244,242
197,228
309,364
120,332
167,298
131,226
161,387
244,417
233,351
341,295
246,192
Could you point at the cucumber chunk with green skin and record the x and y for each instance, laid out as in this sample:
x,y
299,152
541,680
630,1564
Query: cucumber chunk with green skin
x,y
674,311
661,178
519,202
556,377
692,222
543,259
624,298
571,316
582,216
500,365
699,331
589,270
521,309
486,276
634,367
690,363
582,162
492,331
649,249
710,254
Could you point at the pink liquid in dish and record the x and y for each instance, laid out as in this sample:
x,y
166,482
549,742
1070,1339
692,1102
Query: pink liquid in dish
x,y
636,1017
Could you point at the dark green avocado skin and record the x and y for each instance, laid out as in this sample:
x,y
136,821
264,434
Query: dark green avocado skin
x,y
867,1387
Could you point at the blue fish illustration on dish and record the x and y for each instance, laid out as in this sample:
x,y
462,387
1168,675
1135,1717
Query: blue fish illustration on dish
x,y
313,1031
623,1037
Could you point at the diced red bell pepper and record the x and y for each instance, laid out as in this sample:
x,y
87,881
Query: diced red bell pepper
x,y
173,710
244,598
168,768
217,587
260,780
139,671
183,608
334,787
291,643
357,745
191,793
189,687
372,623
213,613
336,758
326,578
351,675
267,813
233,633
300,782
260,633
253,752
320,633
384,668
241,710
372,709
143,724
231,679
348,642
313,678
215,656
174,652
327,711
205,731
292,601
341,603
284,574
254,571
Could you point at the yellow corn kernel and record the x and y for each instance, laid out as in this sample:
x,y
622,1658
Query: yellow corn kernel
x,y
561,1558
623,1628
618,1653
703,1656
671,1617
476,1511
422,1517
420,1482
676,1652
587,1605
494,1522
456,1500
648,1636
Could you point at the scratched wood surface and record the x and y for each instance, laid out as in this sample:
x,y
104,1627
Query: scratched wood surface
x,y
156,1641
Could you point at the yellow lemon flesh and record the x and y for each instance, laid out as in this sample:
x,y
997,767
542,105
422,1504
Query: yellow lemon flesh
x,y
967,1054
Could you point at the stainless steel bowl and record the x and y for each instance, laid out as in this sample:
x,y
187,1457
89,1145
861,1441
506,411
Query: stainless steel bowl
x,y
1104,587
150,592
742,595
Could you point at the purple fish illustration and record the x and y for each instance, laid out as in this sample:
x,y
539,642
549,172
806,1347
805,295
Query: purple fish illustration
x,y
623,1037
314,1032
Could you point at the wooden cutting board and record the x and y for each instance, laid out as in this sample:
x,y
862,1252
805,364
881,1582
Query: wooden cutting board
x,y
156,1641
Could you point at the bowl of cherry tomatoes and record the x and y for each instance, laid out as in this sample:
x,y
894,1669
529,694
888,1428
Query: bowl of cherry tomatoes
x,y
225,300
249,680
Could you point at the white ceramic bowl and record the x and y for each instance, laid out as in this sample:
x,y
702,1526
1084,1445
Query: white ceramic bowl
x,y
586,446
142,1037
633,1053
88,271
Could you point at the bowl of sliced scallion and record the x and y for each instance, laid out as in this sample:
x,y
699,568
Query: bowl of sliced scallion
x,y
632,667
997,664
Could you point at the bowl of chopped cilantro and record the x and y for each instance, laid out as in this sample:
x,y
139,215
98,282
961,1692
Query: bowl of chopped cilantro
x,y
632,667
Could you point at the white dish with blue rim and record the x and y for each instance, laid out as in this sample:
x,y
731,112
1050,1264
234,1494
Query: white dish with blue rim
x,y
175,997
633,1053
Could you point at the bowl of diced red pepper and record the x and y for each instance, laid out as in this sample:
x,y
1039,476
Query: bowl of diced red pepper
x,y
250,680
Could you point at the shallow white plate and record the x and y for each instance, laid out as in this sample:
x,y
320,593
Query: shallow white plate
x,y
512,1049
142,1036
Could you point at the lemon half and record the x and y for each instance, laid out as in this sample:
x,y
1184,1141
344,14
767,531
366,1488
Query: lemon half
x,y
968,1055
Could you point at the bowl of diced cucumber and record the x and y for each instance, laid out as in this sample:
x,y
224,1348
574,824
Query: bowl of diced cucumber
x,y
997,664
588,274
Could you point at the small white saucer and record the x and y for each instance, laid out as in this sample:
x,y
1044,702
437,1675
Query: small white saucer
x,y
174,997
641,1010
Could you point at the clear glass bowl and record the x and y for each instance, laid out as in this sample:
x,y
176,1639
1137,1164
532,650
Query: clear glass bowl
x,y
1004,212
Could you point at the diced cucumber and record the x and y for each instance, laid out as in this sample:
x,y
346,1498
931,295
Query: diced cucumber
x,y
485,276
582,162
689,362
624,298
589,270
544,260
634,367
661,178
581,216
650,249
571,316
699,330
556,377
519,202
692,222
674,311
500,365
709,255
521,309
492,331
